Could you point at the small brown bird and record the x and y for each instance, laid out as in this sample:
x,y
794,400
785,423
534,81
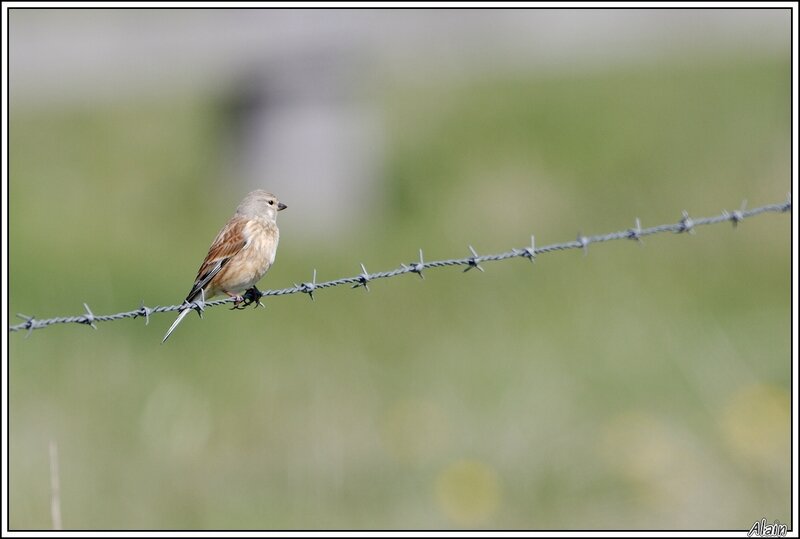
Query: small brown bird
x,y
241,254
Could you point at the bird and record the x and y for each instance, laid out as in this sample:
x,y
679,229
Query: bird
x,y
239,256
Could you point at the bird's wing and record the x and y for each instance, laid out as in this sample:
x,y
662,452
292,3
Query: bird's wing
x,y
228,243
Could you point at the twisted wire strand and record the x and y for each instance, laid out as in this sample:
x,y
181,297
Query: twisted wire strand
x,y
687,224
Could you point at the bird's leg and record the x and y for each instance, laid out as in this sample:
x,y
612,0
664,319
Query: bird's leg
x,y
237,300
252,295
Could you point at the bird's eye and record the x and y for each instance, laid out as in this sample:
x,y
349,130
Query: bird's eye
x,y
271,202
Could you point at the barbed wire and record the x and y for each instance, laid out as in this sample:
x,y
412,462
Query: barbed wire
x,y
687,224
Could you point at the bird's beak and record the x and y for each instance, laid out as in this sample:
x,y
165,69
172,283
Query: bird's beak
x,y
281,206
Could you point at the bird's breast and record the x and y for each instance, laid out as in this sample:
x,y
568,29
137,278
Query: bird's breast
x,y
262,243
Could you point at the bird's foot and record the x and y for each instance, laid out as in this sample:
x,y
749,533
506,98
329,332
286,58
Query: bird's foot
x,y
237,301
252,296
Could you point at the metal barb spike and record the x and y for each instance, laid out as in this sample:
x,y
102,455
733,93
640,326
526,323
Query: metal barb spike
x,y
530,252
308,288
417,267
473,261
736,216
89,317
200,306
363,279
635,233
687,224
29,323
146,313
584,242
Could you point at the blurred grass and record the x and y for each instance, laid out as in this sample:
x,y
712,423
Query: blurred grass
x,y
605,391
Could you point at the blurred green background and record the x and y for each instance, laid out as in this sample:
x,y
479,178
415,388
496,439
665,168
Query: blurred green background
x,y
635,387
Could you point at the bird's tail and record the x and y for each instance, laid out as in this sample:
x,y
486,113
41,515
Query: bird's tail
x,y
177,321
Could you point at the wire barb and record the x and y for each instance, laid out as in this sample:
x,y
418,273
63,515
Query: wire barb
x,y
29,323
635,233
473,261
417,267
529,252
144,311
583,241
88,318
199,306
363,279
686,224
308,288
